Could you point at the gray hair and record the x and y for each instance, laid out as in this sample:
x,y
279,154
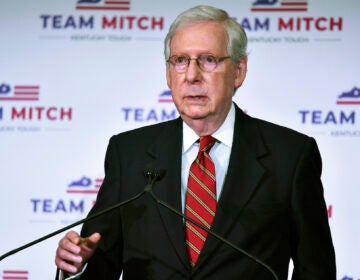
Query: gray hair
x,y
237,39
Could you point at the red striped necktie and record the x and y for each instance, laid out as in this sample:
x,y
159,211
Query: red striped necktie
x,y
200,198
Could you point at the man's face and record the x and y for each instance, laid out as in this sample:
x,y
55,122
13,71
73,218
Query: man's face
x,y
200,95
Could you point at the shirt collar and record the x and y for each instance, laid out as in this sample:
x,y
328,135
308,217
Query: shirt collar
x,y
224,134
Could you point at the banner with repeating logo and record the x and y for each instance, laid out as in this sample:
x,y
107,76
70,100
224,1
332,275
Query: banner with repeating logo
x,y
75,72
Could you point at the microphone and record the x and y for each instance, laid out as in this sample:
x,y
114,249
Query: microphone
x,y
149,188
153,175
150,173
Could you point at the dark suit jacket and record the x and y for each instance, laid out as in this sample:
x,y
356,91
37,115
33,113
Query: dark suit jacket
x,y
271,205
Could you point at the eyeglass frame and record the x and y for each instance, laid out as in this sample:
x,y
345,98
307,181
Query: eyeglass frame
x,y
197,59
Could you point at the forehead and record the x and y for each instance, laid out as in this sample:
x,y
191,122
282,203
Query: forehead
x,y
200,37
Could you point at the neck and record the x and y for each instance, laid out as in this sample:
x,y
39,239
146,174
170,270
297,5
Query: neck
x,y
207,125
203,127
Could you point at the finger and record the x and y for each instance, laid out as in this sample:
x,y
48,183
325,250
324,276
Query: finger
x,y
68,255
74,237
70,268
66,244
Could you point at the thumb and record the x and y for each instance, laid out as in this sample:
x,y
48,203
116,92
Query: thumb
x,y
92,240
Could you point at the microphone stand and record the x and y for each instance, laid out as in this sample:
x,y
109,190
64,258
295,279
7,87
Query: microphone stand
x,y
153,176
148,189
76,223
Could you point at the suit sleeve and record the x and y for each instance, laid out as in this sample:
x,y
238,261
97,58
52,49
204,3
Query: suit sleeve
x,y
106,263
312,249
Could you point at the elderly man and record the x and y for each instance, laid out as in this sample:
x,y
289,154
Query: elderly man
x,y
252,182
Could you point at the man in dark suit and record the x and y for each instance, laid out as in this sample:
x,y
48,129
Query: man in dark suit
x,y
268,189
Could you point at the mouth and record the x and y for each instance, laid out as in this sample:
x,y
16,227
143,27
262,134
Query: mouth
x,y
196,98
195,94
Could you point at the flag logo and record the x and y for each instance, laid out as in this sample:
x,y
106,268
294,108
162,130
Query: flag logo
x,y
165,97
280,6
19,92
351,97
114,5
85,185
15,275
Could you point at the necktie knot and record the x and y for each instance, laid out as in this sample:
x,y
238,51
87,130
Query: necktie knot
x,y
206,143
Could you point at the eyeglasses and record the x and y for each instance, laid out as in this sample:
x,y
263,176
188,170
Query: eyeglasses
x,y
207,62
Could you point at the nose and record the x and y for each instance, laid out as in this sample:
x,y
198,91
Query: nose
x,y
193,71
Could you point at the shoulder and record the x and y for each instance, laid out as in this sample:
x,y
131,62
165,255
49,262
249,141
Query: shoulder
x,y
147,134
284,144
277,131
275,137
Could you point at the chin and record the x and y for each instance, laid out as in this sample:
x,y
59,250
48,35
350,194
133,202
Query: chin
x,y
196,115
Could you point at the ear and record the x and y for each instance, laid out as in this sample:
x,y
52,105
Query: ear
x,y
240,72
168,78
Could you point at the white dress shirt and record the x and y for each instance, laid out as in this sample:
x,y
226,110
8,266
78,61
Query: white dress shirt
x,y
219,153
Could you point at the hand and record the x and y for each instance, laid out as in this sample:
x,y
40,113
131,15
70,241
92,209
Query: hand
x,y
74,251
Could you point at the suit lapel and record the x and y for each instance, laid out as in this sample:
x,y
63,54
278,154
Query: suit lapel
x,y
243,176
166,151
